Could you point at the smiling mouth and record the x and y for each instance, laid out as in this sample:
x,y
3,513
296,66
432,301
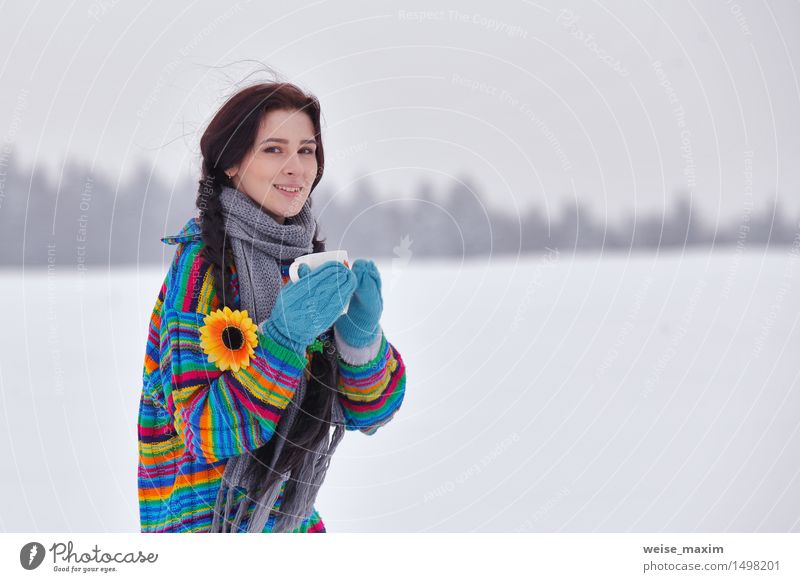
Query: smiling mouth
x,y
288,189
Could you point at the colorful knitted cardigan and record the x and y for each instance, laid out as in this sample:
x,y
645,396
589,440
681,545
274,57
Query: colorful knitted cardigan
x,y
194,417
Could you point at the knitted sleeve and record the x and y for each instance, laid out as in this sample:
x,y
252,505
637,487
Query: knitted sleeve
x,y
372,383
218,414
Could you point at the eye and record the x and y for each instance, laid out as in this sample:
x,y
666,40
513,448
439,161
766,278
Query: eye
x,y
270,148
308,150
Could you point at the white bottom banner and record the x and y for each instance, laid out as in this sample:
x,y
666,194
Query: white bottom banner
x,y
523,556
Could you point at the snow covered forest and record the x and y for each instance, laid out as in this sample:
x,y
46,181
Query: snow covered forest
x,y
86,218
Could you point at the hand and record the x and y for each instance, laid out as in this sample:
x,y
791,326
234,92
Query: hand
x,y
359,326
309,306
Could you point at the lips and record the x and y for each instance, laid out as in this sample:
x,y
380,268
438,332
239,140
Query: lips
x,y
290,190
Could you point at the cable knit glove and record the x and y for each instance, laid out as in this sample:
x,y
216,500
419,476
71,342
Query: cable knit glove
x,y
359,326
309,306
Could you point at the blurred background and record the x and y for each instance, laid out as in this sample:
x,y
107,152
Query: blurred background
x,y
586,218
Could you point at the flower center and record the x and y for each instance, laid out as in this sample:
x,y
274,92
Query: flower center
x,y
232,337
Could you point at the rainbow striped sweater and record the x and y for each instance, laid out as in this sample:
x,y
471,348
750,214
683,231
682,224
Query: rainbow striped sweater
x,y
194,417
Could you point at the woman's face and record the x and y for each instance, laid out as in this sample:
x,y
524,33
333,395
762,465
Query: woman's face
x,y
283,157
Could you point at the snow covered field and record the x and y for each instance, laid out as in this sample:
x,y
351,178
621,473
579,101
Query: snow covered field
x,y
546,393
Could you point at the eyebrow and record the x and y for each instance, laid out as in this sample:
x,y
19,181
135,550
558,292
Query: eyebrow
x,y
281,140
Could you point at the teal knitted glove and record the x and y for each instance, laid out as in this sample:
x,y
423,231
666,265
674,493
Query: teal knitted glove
x,y
309,306
359,326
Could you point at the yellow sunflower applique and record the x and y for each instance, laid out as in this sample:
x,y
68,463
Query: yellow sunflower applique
x,y
229,338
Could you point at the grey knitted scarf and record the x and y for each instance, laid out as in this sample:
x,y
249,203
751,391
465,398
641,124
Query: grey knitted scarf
x,y
258,243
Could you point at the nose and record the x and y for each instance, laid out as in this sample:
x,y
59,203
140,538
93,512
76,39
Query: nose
x,y
292,166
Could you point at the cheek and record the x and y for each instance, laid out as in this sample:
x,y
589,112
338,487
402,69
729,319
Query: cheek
x,y
260,166
267,168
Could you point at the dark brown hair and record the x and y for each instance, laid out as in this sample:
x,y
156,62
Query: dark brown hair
x,y
228,138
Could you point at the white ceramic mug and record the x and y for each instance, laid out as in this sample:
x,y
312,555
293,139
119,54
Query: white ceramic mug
x,y
315,260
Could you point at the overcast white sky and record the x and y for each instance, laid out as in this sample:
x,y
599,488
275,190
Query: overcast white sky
x,y
619,104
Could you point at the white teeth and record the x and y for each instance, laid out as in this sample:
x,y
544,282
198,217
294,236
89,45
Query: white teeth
x,y
287,189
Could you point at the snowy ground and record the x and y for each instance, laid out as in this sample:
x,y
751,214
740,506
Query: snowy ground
x,y
546,393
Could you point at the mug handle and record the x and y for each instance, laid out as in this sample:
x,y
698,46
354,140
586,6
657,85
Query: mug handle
x,y
294,277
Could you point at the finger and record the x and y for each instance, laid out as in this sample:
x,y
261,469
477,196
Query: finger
x,y
329,267
325,268
336,274
369,275
332,269
360,265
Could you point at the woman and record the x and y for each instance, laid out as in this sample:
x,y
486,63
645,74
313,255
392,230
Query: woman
x,y
245,372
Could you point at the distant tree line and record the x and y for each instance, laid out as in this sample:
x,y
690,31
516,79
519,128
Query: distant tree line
x,y
82,218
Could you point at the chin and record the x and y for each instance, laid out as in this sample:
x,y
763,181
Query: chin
x,y
294,208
